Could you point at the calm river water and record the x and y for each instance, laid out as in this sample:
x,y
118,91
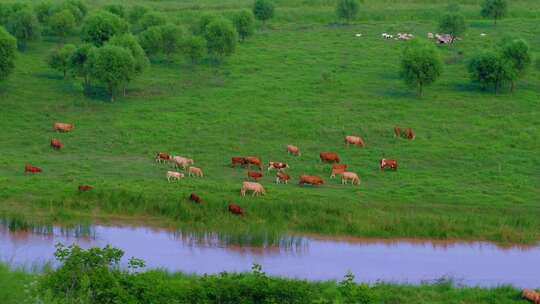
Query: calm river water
x,y
471,264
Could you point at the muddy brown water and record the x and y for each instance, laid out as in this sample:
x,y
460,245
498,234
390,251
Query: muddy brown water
x,y
312,258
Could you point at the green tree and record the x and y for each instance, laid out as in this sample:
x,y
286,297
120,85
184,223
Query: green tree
x,y
244,22
347,9
263,10
62,23
77,8
129,42
151,40
60,58
453,25
150,19
517,53
494,9
136,13
421,65
5,11
43,11
113,66
99,28
352,293
78,63
195,48
204,20
24,26
116,9
490,69
220,38
172,37
8,48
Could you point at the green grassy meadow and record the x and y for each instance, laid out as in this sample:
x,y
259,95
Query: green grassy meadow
x,y
305,79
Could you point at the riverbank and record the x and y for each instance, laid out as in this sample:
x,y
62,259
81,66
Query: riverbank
x,y
18,287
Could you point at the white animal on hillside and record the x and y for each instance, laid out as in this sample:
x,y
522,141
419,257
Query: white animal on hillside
x,y
172,175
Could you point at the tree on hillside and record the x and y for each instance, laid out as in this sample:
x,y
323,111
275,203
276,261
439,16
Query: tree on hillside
x,y
77,8
24,26
244,22
136,13
151,41
220,38
8,49
113,66
60,58
347,9
453,25
78,63
172,37
204,20
62,23
5,11
150,19
129,42
420,65
263,10
490,69
517,53
116,9
99,28
494,9
43,11
194,48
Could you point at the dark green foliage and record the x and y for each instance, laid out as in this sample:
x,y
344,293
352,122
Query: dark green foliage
x,y
5,11
263,10
151,40
172,37
244,22
43,11
116,9
420,65
23,25
62,23
494,9
220,38
113,66
195,48
150,19
347,9
203,22
99,28
60,58
353,293
490,69
129,42
77,8
8,48
78,63
452,24
517,52
136,13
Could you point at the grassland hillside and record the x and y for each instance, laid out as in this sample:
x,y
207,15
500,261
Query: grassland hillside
x,y
305,79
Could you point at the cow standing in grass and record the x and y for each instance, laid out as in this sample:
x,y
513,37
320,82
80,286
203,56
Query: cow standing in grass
x,y
388,163
56,144
32,169
236,209
171,175
162,157
329,157
350,176
282,178
354,140
310,180
194,171
256,188
63,127
338,169
293,150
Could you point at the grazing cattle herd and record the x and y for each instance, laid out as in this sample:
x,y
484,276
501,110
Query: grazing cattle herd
x,y
255,187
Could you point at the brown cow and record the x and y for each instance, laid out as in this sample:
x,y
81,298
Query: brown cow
x,y
330,157
56,144
409,134
32,169
195,198
242,161
354,140
397,132
163,157
251,160
531,296
311,180
388,163
236,210
84,188
194,171
254,175
293,150
63,127
282,178
338,169
278,166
